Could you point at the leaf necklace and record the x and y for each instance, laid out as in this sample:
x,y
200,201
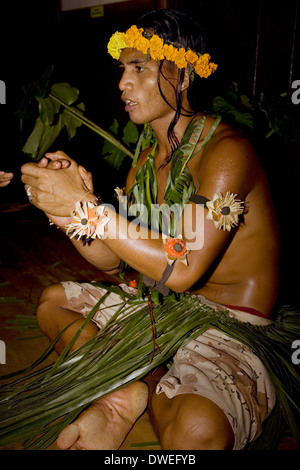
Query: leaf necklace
x,y
142,196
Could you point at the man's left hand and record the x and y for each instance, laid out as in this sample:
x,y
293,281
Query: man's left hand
x,y
55,191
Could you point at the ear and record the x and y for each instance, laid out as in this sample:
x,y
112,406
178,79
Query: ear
x,y
186,80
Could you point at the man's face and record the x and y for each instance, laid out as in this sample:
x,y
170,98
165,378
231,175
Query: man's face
x,y
140,91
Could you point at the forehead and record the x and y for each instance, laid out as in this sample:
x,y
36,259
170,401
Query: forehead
x,y
129,56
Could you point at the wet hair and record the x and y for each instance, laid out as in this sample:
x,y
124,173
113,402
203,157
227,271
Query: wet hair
x,y
180,28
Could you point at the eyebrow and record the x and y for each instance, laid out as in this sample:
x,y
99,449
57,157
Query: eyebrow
x,y
134,61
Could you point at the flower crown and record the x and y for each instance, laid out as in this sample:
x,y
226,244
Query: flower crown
x,y
154,47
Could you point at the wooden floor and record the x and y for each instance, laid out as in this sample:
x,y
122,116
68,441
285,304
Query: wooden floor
x,y
34,255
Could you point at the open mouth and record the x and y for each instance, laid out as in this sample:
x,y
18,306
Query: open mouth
x,y
129,105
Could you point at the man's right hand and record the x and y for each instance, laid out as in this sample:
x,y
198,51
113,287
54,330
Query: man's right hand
x,y
55,162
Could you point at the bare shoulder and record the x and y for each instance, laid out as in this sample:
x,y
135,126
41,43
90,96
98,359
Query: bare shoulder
x,y
228,163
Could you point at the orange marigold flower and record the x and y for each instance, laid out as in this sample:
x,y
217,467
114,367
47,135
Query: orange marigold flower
x,y
170,52
133,283
156,47
191,56
180,59
175,247
203,67
132,35
142,44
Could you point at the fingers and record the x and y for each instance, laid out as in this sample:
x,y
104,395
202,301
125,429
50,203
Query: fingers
x,y
4,183
54,165
59,155
5,178
31,169
29,180
43,162
87,177
68,437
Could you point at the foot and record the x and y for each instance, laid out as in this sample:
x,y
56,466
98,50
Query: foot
x,y
106,423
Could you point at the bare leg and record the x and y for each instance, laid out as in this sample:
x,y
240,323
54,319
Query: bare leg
x,y
106,423
53,316
190,422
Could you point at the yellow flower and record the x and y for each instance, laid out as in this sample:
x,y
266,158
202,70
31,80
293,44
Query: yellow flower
x,y
156,48
191,56
116,45
170,52
203,67
180,59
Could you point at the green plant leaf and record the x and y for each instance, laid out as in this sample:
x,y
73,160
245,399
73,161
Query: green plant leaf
x,y
115,157
41,138
283,116
225,107
36,89
113,154
130,133
65,92
48,108
71,122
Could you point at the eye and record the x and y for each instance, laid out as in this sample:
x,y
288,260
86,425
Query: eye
x,y
139,68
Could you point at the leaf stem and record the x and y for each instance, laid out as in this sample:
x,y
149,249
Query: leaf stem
x,y
91,125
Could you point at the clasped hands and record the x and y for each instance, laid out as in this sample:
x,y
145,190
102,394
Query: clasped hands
x,y
56,192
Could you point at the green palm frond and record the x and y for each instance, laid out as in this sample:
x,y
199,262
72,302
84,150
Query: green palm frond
x,y
40,404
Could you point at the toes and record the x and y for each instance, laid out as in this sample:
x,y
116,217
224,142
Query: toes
x,y
68,437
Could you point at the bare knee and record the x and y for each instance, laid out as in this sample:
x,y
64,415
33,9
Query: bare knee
x,y
51,296
54,293
192,424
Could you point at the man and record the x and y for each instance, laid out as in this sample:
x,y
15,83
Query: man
x,y
217,393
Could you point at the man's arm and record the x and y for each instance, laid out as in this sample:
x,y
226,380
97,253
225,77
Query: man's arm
x,y
228,168
98,254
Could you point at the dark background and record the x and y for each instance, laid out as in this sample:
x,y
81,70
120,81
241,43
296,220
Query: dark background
x,y
255,42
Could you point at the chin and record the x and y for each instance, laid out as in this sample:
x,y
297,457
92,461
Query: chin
x,y
136,120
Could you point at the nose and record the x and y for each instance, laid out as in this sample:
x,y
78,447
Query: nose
x,y
125,82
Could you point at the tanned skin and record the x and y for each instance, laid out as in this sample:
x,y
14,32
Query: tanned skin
x,y
238,268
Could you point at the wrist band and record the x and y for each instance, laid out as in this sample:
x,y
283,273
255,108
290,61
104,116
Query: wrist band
x,y
88,221
89,192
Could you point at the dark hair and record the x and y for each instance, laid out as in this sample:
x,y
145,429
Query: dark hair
x,y
180,28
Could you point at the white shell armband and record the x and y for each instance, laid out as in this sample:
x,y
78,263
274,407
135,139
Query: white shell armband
x,y
88,222
224,211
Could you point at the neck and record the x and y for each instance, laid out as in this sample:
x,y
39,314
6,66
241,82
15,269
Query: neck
x,y
161,132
